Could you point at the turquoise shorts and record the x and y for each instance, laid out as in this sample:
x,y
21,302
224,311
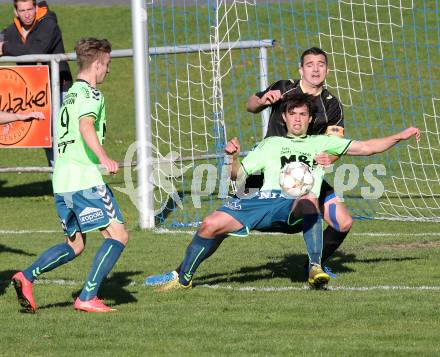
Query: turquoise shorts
x,y
259,212
87,210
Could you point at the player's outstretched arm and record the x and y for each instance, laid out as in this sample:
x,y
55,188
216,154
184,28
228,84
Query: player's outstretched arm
x,y
376,146
233,148
88,132
6,117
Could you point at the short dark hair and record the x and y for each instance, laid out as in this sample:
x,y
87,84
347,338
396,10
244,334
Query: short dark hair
x,y
89,49
16,1
313,51
298,100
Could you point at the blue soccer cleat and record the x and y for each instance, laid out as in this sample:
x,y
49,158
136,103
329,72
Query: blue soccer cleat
x,y
160,279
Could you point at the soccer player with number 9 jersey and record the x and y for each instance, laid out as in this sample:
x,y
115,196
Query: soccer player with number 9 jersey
x,y
84,202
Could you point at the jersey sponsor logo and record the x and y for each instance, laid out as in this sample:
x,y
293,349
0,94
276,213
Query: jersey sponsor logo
x,y
90,214
285,150
70,98
264,195
86,92
302,158
234,205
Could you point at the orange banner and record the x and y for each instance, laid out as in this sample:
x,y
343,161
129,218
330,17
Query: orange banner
x,y
25,89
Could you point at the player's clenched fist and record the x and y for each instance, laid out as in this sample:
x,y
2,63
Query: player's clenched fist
x,y
270,97
409,132
233,147
110,165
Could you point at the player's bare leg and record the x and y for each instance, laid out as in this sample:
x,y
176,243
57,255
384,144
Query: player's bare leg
x,y
77,242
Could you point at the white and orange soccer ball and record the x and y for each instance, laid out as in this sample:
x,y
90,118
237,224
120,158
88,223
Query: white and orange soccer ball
x,y
296,179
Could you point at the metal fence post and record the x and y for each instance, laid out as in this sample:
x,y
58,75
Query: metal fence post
x,y
263,85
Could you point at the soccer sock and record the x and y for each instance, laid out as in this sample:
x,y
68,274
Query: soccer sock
x,y
52,258
199,249
105,258
218,242
332,240
312,228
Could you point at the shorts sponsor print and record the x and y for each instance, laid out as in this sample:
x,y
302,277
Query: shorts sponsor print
x,y
90,215
87,210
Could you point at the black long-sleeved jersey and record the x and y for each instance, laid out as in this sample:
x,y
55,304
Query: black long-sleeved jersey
x,y
329,109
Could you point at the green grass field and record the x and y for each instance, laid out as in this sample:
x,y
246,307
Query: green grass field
x,y
384,302
249,298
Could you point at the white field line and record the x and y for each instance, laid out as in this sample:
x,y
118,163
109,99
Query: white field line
x,y
331,288
366,234
171,232
5,232
64,282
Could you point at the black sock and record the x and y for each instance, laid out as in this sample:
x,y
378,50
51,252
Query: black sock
x,y
332,240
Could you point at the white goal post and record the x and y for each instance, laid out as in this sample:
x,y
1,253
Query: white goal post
x,y
140,54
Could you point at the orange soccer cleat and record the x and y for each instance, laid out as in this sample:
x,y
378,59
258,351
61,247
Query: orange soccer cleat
x,y
23,288
93,305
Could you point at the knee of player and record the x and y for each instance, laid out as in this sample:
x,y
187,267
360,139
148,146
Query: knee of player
x,y
123,237
345,223
78,251
208,227
77,245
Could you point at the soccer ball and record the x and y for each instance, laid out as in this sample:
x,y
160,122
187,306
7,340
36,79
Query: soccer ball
x,y
296,179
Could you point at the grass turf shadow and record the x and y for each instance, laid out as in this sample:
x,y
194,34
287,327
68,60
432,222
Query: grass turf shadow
x,y
6,249
5,280
291,267
114,288
34,189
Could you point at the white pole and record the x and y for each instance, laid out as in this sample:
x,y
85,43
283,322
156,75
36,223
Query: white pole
x,y
56,102
263,85
141,74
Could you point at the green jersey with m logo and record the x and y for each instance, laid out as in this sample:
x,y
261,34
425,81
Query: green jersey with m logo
x,y
274,152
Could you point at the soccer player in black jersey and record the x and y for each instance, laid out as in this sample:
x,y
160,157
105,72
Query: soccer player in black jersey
x,y
329,119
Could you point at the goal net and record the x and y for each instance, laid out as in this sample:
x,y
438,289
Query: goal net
x,y
383,56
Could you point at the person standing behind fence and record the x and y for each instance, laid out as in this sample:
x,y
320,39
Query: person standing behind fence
x,y
35,30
